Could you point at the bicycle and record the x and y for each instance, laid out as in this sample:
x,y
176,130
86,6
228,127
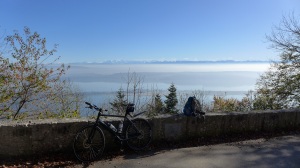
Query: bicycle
x,y
89,142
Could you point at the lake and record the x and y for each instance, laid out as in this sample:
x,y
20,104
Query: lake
x,y
100,81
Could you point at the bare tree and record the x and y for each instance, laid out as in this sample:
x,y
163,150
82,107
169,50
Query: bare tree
x,y
134,88
286,37
280,87
201,96
132,94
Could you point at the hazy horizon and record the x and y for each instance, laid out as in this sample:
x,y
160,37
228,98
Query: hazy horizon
x,y
212,77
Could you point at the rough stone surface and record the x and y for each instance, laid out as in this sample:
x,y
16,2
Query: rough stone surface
x,y
39,137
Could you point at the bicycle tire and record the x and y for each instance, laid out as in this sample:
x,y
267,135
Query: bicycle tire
x,y
142,141
85,151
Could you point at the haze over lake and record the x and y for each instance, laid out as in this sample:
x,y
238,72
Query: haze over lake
x,y
204,76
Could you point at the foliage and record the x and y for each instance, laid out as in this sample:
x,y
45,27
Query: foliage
x,y
119,103
171,100
156,106
63,101
266,97
280,87
29,79
225,105
222,104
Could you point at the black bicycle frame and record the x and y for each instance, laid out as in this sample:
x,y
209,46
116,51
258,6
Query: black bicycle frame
x,y
116,134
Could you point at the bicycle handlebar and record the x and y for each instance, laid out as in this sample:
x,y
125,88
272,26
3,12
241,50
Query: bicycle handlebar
x,y
90,106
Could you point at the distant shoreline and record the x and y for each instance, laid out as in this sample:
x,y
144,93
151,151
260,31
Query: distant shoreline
x,y
177,62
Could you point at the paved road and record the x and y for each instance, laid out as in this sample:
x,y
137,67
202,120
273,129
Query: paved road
x,y
279,152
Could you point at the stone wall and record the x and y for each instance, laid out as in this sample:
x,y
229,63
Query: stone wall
x,y
38,137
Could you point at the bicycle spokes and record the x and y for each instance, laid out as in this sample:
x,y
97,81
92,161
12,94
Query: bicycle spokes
x,y
138,134
89,143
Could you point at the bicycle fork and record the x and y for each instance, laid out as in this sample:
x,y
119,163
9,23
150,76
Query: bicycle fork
x,y
91,136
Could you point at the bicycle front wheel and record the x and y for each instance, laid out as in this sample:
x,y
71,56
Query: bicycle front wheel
x,y
89,143
139,134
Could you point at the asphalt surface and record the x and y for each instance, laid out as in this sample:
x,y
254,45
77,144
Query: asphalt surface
x,y
278,152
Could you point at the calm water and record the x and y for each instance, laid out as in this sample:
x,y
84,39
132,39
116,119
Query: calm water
x,y
100,81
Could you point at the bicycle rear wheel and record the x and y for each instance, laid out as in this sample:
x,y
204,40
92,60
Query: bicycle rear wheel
x,y
89,143
139,134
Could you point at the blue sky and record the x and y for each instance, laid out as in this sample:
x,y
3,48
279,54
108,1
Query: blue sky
x,y
100,30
